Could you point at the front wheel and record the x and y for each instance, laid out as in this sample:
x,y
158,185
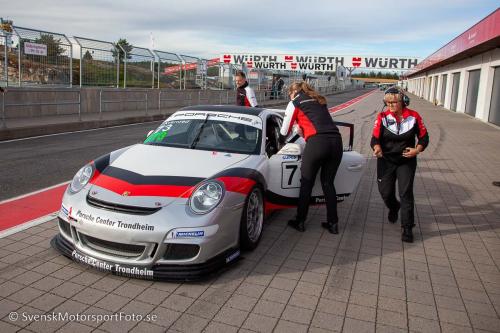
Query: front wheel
x,y
252,219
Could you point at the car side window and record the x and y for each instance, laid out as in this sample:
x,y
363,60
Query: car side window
x,y
272,136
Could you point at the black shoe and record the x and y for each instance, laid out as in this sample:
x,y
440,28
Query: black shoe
x,y
332,228
393,214
407,235
297,225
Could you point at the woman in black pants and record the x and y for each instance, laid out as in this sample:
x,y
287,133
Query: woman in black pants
x,y
323,150
399,135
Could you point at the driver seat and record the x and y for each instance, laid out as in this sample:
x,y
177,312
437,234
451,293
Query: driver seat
x,y
208,137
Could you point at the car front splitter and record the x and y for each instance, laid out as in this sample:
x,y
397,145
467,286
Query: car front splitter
x,y
178,272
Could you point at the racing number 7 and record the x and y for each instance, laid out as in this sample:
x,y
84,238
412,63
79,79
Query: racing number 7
x,y
294,168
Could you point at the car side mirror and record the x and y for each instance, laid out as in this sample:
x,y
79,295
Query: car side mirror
x,y
291,149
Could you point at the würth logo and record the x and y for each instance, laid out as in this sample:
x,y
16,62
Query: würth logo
x,y
250,64
227,58
294,65
288,58
356,61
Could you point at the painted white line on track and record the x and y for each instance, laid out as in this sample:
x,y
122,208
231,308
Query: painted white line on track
x,y
35,192
29,224
81,131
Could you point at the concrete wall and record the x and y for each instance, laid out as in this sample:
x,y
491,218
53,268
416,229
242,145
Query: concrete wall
x,y
423,85
19,103
39,102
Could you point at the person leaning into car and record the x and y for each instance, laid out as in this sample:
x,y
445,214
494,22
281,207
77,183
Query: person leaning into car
x,y
393,143
245,96
323,150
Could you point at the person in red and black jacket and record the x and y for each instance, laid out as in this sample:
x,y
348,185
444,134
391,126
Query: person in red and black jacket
x,y
399,135
245,96
323,150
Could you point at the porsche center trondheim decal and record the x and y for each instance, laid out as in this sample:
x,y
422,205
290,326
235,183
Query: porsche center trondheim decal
x,y
318,63
117,268
119,224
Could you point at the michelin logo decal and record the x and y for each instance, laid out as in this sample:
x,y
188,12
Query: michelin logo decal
x,y
189,234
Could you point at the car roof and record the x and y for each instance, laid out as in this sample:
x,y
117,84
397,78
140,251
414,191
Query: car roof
x,y
225,108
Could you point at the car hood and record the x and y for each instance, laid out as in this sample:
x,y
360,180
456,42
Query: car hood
x,y
154,176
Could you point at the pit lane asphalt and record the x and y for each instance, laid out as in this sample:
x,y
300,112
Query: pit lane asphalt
x,y
32,164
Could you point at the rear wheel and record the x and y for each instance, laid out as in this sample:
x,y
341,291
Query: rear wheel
x,y
252,219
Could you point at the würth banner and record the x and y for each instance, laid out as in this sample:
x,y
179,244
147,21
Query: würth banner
x,y
317,63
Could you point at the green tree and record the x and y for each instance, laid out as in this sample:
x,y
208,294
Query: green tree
x,y
87,56
54,48
125,46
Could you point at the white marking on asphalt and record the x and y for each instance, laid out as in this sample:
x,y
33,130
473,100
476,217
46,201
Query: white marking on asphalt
x,y
35,192
82,131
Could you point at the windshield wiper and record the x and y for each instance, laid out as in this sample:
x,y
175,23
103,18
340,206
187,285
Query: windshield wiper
x,y
197,138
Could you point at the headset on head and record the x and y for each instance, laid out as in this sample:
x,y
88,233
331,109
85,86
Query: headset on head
x,y
394,90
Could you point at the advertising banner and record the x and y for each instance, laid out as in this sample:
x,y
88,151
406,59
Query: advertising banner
x,y
316,62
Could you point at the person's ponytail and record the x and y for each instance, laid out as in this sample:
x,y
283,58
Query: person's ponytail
x,y
306,88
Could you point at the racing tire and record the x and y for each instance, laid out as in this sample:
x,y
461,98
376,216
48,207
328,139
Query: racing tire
x,y
252,219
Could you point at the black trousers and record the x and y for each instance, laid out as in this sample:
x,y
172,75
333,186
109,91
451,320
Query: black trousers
x,y
323,152
387,174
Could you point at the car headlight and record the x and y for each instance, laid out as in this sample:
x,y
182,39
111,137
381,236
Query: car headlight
x,y
206,197
81,178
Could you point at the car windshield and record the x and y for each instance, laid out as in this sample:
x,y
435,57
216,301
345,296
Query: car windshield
x,y
207,134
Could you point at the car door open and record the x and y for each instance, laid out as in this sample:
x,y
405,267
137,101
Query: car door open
x,y
284,170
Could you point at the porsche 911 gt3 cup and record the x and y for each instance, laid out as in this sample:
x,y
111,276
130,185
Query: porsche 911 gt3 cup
x,y
185,202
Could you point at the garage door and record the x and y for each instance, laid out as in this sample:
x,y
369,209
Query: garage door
x,y
434,94
494,117
472,91
443,89
454,91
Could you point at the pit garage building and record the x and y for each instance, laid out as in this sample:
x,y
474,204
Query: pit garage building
x,y
464,75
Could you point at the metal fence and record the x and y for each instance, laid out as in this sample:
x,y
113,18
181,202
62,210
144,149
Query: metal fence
x,y
44,58
31,57
189,72
139,67
169,70
5,39
98,64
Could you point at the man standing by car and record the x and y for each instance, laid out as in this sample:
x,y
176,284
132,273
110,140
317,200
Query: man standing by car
x,y
245,96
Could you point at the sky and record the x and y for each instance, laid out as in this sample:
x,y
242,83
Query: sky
x,y
209,28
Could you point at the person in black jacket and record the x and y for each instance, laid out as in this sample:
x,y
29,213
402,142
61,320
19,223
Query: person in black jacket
x,y
393,143
323,150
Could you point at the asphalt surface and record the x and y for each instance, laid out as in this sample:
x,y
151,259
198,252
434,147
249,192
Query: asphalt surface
x,y
36,163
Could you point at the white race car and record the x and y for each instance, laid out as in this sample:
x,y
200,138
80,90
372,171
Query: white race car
x,y
183,203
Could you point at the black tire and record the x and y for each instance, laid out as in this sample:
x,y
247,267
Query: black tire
x,y
252,219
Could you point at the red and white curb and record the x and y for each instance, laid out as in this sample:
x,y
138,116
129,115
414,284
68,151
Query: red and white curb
x,y
25,211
